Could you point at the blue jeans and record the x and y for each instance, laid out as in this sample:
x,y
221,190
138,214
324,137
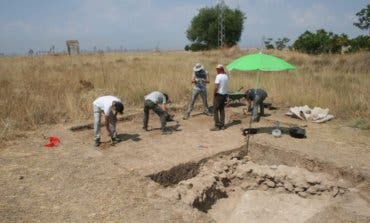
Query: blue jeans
x,y
203,95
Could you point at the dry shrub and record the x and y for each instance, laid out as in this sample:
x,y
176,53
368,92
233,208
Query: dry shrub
x,y
49,89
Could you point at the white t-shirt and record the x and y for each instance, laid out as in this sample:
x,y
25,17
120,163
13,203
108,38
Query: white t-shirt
x,y
104,103
222,80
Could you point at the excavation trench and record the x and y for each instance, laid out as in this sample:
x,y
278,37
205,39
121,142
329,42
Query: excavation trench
x,y
293,187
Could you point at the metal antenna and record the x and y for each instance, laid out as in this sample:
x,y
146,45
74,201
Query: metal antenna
x,y
221,23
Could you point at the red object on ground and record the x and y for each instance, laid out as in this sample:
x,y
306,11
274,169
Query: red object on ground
x,y
53,141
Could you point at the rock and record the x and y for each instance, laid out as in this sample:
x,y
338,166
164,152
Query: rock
x,y
320,187
270,183
246,185
222,176
264,187
288,186
299,189
280,189
189,186
312,179
260,180
273,167
303,194
342,191
311,190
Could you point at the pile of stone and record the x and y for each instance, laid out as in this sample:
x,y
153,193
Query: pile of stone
x,y
226,174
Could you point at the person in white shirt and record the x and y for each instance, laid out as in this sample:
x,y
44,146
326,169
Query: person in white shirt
x,y
156,101
220,97
109,107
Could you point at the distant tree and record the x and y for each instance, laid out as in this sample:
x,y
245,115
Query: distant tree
x,y
281,43
363,19
314,43
268,43
360,43
203,30
336,43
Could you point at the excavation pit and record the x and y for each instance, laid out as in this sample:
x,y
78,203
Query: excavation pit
x,y
266,186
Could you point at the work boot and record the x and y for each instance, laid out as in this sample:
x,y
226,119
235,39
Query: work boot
x,y
115,139
207,113
166,131
186,116
145,129
216,128
97,143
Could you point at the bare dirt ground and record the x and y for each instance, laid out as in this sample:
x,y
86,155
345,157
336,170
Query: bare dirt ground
x,y
75,182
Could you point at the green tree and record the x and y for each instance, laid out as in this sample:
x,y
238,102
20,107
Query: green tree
x,y
203,30
360,43
281,43
363,19
314,43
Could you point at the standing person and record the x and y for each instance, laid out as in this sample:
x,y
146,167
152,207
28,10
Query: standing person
x,y
200,79
156,101
220,96
257,96
109,107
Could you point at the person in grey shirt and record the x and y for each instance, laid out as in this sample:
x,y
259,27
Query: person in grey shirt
x,y
200,79
156,101
257,96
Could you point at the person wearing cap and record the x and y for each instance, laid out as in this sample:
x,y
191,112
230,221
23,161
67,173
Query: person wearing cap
x,y
108,106
200,79
256,96
220,96
156,101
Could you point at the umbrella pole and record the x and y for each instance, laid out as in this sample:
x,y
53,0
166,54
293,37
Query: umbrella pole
x,y
250,122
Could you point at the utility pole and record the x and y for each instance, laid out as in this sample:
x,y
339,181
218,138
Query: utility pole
x,y
221,23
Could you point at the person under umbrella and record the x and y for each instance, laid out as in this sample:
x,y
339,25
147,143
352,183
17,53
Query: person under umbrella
x,y
256,97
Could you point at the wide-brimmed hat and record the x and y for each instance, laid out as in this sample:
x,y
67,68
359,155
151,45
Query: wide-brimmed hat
x,y
198,67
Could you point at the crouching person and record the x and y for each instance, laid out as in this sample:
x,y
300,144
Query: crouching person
x,y
108,107
156,101
255,98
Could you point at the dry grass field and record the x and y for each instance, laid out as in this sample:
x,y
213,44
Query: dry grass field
x,y
54,89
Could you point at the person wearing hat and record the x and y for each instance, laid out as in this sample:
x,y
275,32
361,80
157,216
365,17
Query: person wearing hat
x,y
257,96
157,102
220,96
108,106
200,79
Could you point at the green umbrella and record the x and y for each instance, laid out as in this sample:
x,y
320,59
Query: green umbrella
x,y
259,61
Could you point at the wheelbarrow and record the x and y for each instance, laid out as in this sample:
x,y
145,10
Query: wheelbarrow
x,y
235,96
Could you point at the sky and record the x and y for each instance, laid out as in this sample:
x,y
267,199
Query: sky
x,y
150,24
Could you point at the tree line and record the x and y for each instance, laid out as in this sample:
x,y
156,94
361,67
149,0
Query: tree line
x,y
203,33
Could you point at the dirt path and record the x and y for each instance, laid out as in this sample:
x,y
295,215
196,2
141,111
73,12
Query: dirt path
x,y
77,183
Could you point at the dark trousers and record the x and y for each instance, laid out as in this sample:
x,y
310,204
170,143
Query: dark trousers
x,y
148,104
219,109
